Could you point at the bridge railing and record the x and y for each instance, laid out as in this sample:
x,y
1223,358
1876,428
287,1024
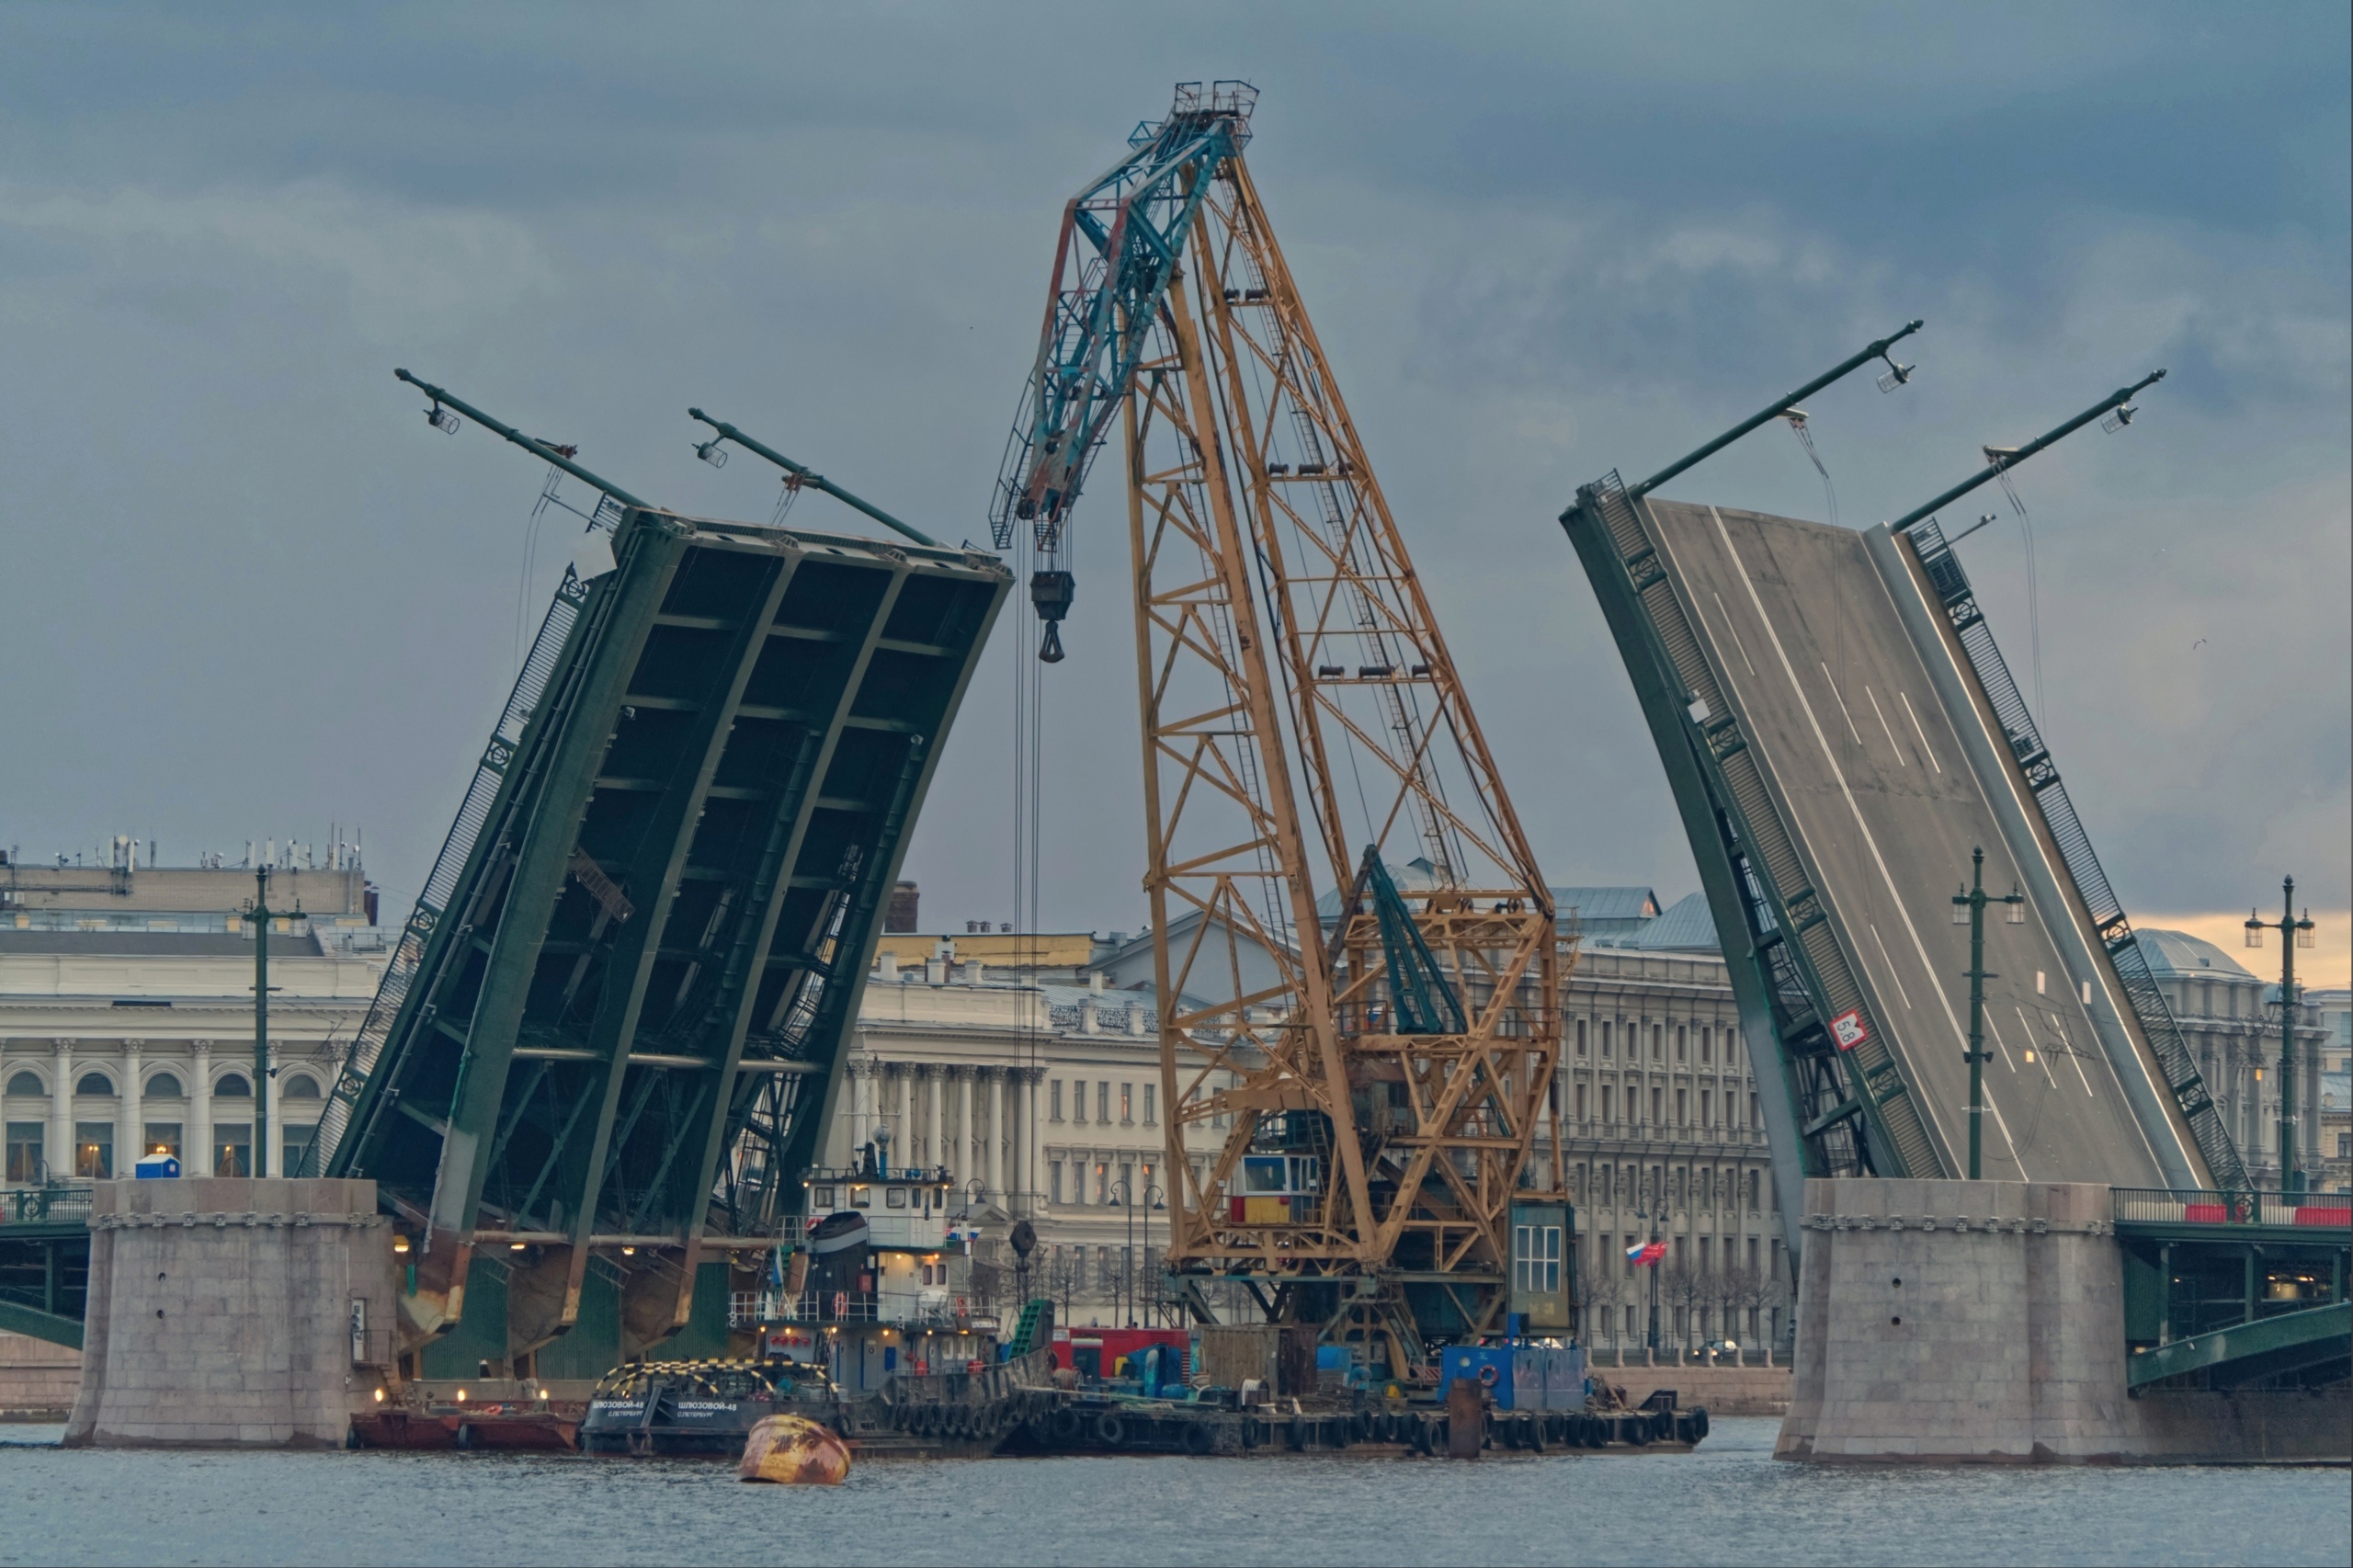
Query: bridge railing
x,y
2050,795
482,793
2194,1206
55,1203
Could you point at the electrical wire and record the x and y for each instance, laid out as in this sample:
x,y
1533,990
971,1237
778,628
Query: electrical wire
x,y
2033,593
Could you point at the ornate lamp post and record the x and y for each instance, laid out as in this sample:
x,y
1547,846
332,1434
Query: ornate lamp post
x,y
1970,906
2291,1179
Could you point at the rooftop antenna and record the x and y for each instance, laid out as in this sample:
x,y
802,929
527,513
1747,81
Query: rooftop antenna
x,y
1999,460
797,474
1878,350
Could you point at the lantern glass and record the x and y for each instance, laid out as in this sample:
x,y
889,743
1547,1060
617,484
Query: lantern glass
x,y
2017,912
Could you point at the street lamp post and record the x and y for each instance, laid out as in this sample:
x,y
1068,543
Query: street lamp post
x,y
1971,906
2294,934
261,914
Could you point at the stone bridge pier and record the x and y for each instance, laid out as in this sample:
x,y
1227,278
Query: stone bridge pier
x,y
1954,1321
234,1312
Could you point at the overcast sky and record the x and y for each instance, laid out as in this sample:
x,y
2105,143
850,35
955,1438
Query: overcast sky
x,y
249,593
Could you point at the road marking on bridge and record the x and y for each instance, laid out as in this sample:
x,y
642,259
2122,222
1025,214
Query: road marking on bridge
x,y
1883,727
1842,701
1757,602
1743,647
1890,966
2075,1057
1925,746
2002,1045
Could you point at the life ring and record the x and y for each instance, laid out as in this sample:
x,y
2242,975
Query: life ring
x,y
1487,1375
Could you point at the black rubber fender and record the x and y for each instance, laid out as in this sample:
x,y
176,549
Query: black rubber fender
x,y
1198,1439
1112,1430
1065,1423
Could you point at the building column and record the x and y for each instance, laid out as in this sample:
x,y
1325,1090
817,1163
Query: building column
x,y
130,1139
960,1171
935,1125
196,1148
60,1153
903,1109
996,1137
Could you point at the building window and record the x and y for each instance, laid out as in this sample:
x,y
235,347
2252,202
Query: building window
x,y
1151,1091
25,1139
1102,1183
1054,1178
163,1138
1078,1099
166,1087
299,1155
1127,1105
1682,1043
1658,1104
1103,1101
1752,1111
1580,1036
1128,1193
236,1087
299,1087
1682,1107
95,1084
1608,1041
1658,1042
27,1085
1054,1100
1707,1107
1580,1102
1608,1109
1707,1044
93,1149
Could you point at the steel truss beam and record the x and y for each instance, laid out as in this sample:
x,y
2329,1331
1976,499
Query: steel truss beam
x,y
659,902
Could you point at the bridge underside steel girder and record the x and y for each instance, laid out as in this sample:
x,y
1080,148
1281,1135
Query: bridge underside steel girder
x,y
2312,1345
618,1018
1829,836
44,1281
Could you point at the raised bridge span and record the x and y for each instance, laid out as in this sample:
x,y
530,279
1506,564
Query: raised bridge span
x,y
1840,734
616,1019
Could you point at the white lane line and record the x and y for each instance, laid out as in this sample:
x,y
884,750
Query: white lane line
x,y
1883,725
1890,967
2076,1057
2000,1044
1735,632
1916,730
1842,701
2043,1061
1885,877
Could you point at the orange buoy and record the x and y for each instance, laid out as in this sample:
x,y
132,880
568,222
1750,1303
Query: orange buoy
x,y
794,1452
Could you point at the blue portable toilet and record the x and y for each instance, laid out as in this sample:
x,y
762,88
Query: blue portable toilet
x,y
152,1167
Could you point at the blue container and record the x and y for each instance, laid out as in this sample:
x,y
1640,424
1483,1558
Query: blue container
x,y
153,1166
1489,1365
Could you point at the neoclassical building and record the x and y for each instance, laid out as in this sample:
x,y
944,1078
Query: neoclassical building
x,y
127,1016
2231,1019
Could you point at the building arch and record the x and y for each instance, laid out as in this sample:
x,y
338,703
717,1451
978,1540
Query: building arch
x,y
27,1082
298,1086
233,1084
164,1085
95,1084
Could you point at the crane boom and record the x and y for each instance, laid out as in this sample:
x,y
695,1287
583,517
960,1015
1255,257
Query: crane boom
x,y
1356,953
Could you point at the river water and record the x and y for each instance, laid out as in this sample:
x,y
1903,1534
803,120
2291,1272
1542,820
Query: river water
x,y
1730,1501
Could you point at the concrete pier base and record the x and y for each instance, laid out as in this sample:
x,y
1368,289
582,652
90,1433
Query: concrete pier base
x,y
1945,1321
228,1312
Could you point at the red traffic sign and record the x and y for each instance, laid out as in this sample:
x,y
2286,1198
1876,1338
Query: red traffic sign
x,y
1848,1028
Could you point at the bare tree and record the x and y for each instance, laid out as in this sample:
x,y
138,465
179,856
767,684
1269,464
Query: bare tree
x,y
1685,1286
